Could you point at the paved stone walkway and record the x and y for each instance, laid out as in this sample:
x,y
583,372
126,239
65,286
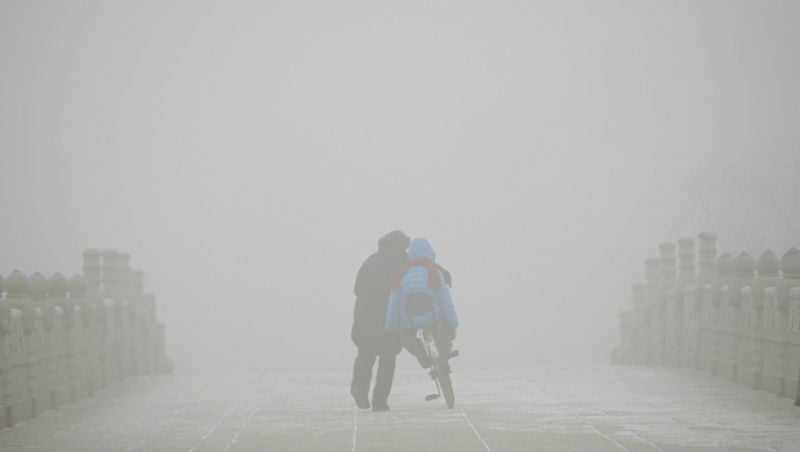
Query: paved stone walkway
x,y
547,409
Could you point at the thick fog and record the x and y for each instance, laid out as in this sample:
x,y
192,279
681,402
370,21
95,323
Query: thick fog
x,y
250,154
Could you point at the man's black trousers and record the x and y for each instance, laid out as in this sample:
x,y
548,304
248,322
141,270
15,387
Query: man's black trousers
x,y
362,374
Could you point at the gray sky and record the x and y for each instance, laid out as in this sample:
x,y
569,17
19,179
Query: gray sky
x,y
249,155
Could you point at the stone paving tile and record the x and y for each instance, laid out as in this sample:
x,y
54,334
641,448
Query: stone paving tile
x,y
535,409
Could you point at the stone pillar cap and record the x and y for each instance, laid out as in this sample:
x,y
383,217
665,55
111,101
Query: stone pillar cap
x,y
790,263
768,264
744,264
57,285
724,265
17,283
37,285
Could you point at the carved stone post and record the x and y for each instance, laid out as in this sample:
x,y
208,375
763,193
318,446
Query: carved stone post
x,y
93,273
733,345
5,358
744,267
137,283
93,269
83,359
126,315
84,300
686,264
767,267
111,345
135,311
707,250
681,324
700,297
667,264
788,354
790,264
60,342
641,328
666,301
110,272
115,275
124,276
652,276
45,369
711,325
22,385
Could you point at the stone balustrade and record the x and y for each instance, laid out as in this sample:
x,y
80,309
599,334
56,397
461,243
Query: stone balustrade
x,y
737,318
65,339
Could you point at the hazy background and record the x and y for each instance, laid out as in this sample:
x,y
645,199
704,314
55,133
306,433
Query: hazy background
x,y
250,154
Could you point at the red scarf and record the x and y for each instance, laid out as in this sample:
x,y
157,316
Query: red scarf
x,y
434,280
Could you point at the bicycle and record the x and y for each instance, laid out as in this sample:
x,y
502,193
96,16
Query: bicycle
x,y
430,332
440,370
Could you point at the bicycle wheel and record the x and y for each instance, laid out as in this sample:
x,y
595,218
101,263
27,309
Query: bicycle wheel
x,y
445,382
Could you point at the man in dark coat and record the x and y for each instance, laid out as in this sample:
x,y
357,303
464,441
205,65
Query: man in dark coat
x,y
369,317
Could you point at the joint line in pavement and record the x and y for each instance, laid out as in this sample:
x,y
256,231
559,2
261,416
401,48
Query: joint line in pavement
x,y
239,433
578,415
475,430
355,429
583,419
227,415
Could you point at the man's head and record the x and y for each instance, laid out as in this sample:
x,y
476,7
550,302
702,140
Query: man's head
x,y
394,240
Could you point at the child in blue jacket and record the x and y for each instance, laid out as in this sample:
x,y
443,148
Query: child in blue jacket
x,y
420,279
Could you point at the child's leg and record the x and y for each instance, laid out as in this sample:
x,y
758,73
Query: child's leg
x,y
415,346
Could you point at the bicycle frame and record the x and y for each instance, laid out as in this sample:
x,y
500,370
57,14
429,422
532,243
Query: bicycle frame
x,y
440,372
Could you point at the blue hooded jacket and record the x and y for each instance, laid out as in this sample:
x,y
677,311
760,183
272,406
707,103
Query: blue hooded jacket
x,y
415,281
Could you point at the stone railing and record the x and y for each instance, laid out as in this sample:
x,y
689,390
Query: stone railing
x,y
737,318
62,340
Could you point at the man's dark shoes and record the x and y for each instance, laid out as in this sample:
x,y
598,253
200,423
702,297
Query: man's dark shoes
x,y
380,407
361,400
